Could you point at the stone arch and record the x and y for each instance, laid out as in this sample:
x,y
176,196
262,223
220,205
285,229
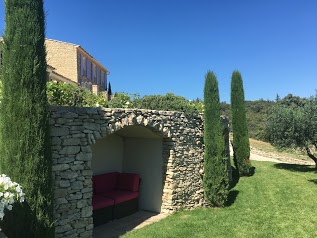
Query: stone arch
x,y
124,123
74,130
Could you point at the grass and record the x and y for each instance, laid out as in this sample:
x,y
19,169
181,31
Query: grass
x,y
278,201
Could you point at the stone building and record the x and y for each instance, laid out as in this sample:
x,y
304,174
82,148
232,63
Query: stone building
x,y
71,63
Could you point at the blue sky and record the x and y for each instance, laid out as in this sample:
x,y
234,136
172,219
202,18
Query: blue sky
x,y
155,47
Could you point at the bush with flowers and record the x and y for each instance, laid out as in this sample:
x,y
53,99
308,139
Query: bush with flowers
x,y
10,192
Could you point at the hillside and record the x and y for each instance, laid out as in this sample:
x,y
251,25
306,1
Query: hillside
x,y
257,114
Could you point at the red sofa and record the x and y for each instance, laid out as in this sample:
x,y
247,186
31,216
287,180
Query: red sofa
x,y
115,195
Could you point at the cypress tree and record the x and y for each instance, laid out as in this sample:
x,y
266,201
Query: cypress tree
x,y
25,151
241,145
216,179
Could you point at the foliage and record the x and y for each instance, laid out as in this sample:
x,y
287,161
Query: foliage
x,y
216,177
123,100
257,113
25,154
294,124
241,146
277,191
169,102
65,94
198,104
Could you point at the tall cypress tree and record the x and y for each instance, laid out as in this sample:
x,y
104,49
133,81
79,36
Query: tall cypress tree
x,y
25,154
216,178
241,145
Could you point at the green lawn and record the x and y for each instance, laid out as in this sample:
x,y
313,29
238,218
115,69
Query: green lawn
x,y
277,201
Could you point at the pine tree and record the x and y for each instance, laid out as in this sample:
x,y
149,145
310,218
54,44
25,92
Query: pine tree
x,y
241,145
25,151
216,178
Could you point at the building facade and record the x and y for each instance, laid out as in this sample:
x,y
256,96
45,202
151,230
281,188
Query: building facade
x,y
74,64
70,63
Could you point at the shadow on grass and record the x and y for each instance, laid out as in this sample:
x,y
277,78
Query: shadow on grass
x,y
235,177
313,181
295,167
232,197
251,171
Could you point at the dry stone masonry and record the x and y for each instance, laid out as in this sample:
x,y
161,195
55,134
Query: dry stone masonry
x,y
74,130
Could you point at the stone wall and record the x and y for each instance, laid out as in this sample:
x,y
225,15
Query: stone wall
x,y
73,130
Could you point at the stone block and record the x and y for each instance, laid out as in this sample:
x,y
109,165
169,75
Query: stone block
x,y
68,175
86,212
77,167
60,167
71,141
56,140
59,131
82,203
69,150
77,185
64,183
84,156
62,229
61,192
59,201
91,126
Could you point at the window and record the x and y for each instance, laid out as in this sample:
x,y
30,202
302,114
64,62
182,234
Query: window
x,y
88,75
105,81
96,76
100,77
82,62
93,73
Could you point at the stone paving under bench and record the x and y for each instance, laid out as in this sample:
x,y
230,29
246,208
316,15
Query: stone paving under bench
x,y
119,227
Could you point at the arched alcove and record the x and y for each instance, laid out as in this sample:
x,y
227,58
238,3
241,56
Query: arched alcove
x,y
134,149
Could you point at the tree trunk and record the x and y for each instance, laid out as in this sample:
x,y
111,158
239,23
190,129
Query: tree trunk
x,y
312,156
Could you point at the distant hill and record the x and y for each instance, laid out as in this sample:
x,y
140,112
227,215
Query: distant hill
x,y
257,114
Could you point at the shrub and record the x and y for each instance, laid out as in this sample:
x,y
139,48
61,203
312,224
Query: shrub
x,y
216,177
65,94
123,100
241,145
169,102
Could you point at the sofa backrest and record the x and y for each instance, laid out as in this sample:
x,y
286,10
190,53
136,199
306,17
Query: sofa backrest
x,y
105,182
128,181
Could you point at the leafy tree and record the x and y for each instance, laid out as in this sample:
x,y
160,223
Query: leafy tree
x,y
25,154
123,100
293,101
241,146
293,123
216,179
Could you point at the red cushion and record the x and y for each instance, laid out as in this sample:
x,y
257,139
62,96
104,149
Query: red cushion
x,y
104,182
128,181
99,202
120,196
